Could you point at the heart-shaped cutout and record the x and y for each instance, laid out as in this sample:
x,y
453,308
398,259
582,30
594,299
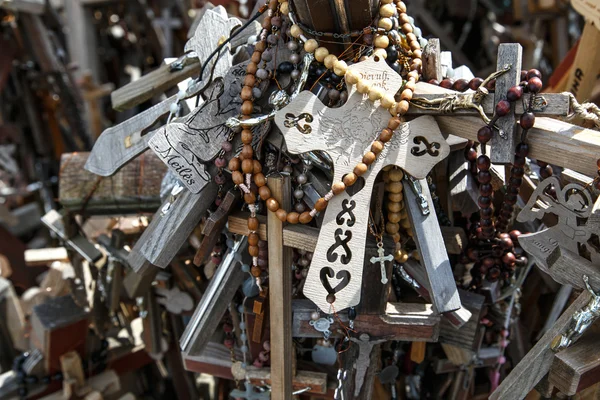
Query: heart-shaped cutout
x,y
327,273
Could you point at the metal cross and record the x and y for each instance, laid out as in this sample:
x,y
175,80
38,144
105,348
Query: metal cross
x,y
249,394
381,260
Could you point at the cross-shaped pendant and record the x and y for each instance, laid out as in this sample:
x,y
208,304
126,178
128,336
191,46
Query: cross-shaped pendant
x,y
381,260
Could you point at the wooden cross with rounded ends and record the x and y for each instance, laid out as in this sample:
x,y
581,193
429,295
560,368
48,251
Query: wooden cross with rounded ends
x,y
346,133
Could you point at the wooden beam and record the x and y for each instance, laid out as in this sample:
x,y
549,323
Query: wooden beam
x,y
401,321
44,257
280,294
577,367
566,145
304,237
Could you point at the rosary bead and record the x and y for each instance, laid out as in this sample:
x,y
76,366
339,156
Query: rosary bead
x,y
486,213
300,207
247,107
368,39
396,175
352,77
392,228
388,101
311,45
288,169
260,180
293,218
301,179
250,198
329,61
226,146
510,199
340,67
534,85
321,205
305,217
395,187
484,134
502,108
220,162
447,83
483,163
360,169
264,192
484,177
394,123
385,24
234,164
461,85
509,258
522,149
255,271
292,45
295,31
475,83
338,188
253,239
407,28
295,74
247,166
281,214
377,147
256,167
381,41
363,87
349,179
516,182
252,224
434,82
246,93
333,94
402,107
386,135
527,120
272,39
546,172
401,256
272,204
237,177
471,154
387,10
251,68
285,67
247,136
396,197
534,73
407,95
219,180
485,223
394,217
484,201
517,172
260,46
514,93
299,194
247,152
401,7
262,73
266,24
375,93
321,53
403,18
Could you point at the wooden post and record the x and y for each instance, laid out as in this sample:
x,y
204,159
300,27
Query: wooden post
x,y
280,296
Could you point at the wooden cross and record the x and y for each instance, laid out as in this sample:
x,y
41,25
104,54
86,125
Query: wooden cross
x,y
119,144
91,93
345,133
167,25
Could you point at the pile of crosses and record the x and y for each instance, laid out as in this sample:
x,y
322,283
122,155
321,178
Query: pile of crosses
x,y
416,327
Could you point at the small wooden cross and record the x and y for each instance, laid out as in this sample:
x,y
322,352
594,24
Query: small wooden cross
x,y
167,25
381,260
345,133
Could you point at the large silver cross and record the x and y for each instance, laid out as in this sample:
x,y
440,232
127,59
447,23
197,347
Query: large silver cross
x,y
381,260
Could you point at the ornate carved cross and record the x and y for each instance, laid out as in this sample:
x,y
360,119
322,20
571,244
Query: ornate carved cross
x,y
345,133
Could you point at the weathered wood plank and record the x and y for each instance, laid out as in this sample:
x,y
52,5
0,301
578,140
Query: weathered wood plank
x,y
577,367
536,363
135,188
432,65
280,294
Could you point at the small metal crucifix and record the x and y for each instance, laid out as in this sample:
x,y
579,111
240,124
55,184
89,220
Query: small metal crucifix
x,y
381,260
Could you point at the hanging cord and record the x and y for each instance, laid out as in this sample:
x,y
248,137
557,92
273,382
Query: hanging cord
x,y
586,111
216,51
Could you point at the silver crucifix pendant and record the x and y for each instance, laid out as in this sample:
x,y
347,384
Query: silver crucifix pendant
x,y
381,260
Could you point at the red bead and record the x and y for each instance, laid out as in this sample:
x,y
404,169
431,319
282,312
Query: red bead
x,y
485,223
220,162
522,149
491,85
471,154
486,190
523,75
484,134
514,235
514,93
527,120
434,82
509,258
475,83
486,213
446,83
534,85
598,164
484,177
542,164
484,201
220,180
227,146
534,73
502,108
519,161
461,85
546,172
517,172
483,163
